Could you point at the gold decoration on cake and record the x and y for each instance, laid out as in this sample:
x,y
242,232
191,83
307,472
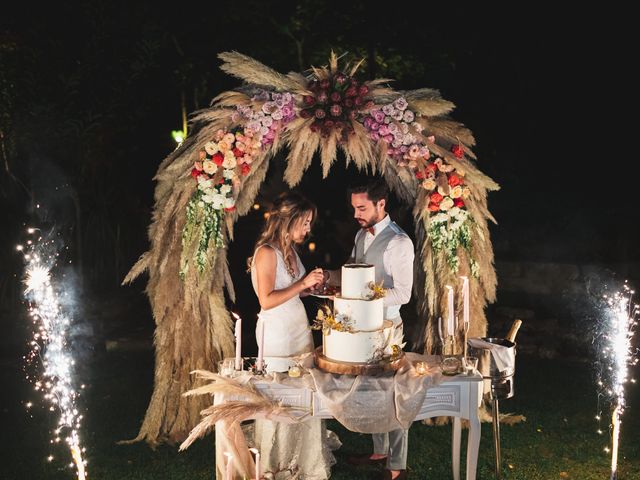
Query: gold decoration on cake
x,y
377,290
326,321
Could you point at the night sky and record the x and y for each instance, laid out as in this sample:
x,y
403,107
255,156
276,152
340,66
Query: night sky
x,y
91,91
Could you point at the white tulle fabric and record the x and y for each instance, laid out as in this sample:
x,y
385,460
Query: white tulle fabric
x,y
304,450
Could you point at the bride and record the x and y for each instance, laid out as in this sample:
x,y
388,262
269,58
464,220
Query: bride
x,y
279,279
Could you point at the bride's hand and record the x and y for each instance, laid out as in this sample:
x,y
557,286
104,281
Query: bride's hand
x,y
315,277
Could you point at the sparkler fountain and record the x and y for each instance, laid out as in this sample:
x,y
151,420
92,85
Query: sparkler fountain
x,y
50,344
618,355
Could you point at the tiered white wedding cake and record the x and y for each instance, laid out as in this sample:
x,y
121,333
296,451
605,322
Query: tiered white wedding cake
x,y
364,334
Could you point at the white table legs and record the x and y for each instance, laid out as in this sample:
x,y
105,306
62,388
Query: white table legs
x,y
455,448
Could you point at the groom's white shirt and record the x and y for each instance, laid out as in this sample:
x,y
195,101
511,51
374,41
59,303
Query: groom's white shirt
x,y
397,260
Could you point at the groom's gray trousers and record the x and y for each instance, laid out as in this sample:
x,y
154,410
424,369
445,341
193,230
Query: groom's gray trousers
x,y
394,444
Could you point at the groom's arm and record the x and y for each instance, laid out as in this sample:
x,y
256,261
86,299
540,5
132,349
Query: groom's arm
x,y
398,262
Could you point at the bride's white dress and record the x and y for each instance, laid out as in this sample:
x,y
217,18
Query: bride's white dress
x,y
300,450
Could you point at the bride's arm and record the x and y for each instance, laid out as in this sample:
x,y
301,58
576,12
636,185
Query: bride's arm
x,y
268,296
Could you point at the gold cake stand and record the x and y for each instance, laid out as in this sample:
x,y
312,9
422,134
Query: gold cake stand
x,y
353,368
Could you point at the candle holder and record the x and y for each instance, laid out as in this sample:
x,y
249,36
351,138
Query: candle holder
x,y
250,365
422,368
226,367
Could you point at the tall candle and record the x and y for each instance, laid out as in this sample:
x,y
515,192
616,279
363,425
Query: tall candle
x,y
257,454
229,470
465,301
450,314
259,363
238,342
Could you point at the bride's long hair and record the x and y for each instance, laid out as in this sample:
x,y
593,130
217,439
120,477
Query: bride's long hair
x,y
286,214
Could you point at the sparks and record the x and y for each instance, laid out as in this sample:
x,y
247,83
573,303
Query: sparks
x,y
49,343
618,356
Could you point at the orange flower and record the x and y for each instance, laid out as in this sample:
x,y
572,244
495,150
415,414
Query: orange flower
x,y
454,180
433,207
435,197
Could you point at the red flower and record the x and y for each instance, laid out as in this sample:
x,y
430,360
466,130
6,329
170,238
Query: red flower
x,y
328,124
421,175
245,169
230,209
457,150
335,96
323,97
195,172
218,158
237,153
305,113
320,113
324,84
309,100
348,103
432,167
454,180
435,197
221,181
363,90
351,91
457,202
336,110
433,207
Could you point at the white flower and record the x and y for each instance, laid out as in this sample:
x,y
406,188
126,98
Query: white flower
x,y
267,121
229,160
404,128
388,109
224,189
418,126
229,173
440,218
408,116
400,104
229,202
204,183
446,204
209,167
217,200
229,138
428,184
397,115
466,193
277,115
454,212
211,148
456,192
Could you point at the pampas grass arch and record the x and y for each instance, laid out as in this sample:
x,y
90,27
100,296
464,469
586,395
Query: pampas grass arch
x,y
193,326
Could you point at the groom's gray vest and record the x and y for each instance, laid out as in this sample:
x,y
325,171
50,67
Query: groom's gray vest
x,y
373,256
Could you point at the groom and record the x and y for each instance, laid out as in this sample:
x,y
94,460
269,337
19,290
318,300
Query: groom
x,y
382,243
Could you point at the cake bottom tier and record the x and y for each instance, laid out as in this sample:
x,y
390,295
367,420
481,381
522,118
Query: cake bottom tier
x,y
359,346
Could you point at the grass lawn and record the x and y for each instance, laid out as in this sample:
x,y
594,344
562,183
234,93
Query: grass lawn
x,y
557,441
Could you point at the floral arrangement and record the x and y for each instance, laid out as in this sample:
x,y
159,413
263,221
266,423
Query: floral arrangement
x,y
387,353
377,290
397,126
335,100
275,110
223,161
449,220
326,321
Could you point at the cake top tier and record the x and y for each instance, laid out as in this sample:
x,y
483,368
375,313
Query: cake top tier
x,y
357,279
